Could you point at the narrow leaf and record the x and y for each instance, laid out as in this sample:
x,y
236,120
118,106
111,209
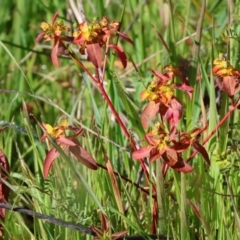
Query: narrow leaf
x,y
120,53
104,222
54,17
125,37
39,37
54,52
202,151
161,76
94,52
81,155
114,185
51,156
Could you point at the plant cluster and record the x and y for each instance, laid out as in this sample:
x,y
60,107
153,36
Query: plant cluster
x,y
165,140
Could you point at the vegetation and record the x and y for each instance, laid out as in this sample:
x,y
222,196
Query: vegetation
x,y
140,138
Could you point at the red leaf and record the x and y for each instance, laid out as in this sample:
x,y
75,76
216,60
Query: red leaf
x,y
39,37
181,146
125,37
104,222
97,231
4,190
229,83
54,17
51,156
149,113
66,141
161,76
202,151
54,52
183,167
81,155
142,152
121,54
186,88
180,165
94,52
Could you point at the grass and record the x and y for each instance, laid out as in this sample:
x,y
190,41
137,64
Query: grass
x,y
203,204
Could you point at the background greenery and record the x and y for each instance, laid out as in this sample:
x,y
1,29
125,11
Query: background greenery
x,y
31,80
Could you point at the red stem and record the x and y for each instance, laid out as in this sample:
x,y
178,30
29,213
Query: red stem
x,y
105,59
95,80
100,86
233,108
103,92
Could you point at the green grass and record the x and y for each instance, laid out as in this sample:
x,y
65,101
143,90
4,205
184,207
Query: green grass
x,y
30,83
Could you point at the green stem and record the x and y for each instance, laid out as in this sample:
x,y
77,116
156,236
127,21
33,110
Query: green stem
x,y
184,226
223,132
237,217
160,197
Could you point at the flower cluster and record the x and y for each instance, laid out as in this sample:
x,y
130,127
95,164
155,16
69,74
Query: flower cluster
x,y
164,140
161,96
54,32
169,146
90,33
90,37
228,78
66,143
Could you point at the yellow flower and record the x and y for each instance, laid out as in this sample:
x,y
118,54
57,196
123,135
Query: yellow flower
x,y
89,32
167,91
45,26
57,131
53,30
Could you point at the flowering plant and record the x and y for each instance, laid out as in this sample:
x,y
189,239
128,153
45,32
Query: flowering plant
x,y
66,143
